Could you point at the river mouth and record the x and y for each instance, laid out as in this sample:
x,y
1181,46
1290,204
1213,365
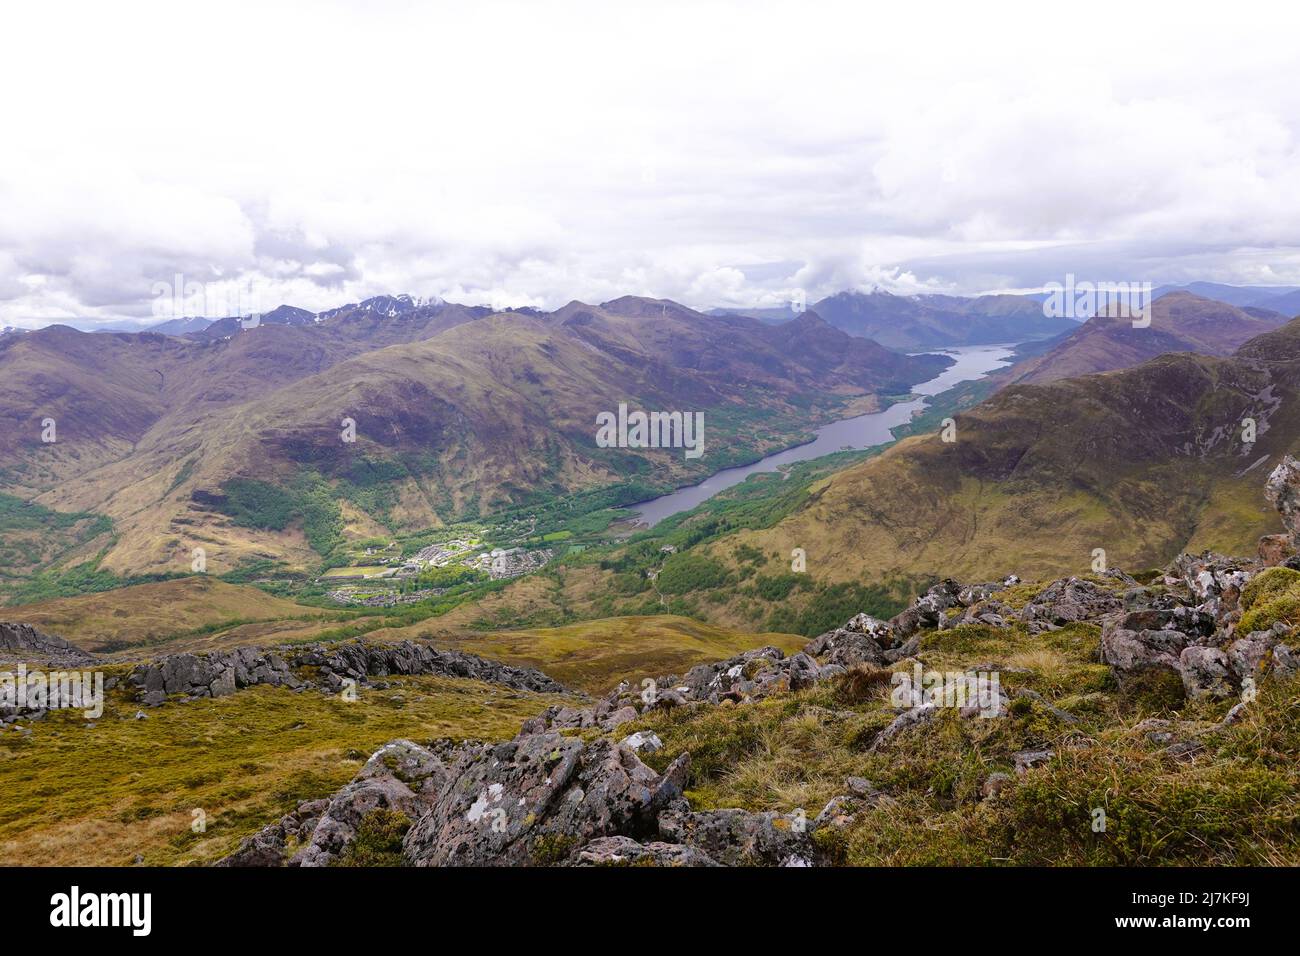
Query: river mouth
x,y
973,362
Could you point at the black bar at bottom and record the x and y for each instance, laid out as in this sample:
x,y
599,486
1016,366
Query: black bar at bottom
x,y
341,906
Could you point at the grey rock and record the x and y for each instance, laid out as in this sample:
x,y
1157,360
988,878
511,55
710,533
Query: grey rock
x,y
847,648
1067,601
1234,715
1282,489
624,851
860,787
909,718
1206,672
536,798
642,742
1130,651
742,838
265,848
839,812
223,672
1286,662
268,846
1248,655
619,717
22,643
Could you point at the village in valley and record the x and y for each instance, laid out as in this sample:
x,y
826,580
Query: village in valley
x,y
384,575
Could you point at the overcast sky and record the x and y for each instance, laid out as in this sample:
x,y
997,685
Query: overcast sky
x,y
716,154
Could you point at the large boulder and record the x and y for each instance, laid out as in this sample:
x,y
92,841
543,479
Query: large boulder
x,y
537,798
1206,672
849,648
743,838
1130,651
1067,601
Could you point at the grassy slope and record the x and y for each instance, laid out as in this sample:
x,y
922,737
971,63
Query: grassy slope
x,y
199,614
157,614
127,787
1040,476
595,655
78,795
1237,802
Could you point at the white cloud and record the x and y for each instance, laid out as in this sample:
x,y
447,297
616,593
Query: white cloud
x,y
535,153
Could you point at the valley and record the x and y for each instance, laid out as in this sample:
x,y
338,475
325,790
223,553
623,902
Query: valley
x,y
970,364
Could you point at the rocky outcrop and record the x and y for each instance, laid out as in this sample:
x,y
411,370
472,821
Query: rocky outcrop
x,y
1188,622
211,675
551,798
1153,637
1213,582
1197,638
223,672
22,643
268,846
742,838
400,776
537,799
1068,601
360,660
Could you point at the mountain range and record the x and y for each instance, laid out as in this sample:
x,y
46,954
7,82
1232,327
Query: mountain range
x,y
1178,322
912,323
234,441
1285,299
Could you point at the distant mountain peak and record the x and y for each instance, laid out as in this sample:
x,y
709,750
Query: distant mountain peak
x,y
288,315
395,305
639,305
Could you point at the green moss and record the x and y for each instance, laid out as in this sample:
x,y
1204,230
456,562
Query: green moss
x,y
1267,585
1272,595
378,841
551,848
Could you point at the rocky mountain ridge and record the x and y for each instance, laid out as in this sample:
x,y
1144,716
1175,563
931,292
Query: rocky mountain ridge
x,y
1177,322
461,415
